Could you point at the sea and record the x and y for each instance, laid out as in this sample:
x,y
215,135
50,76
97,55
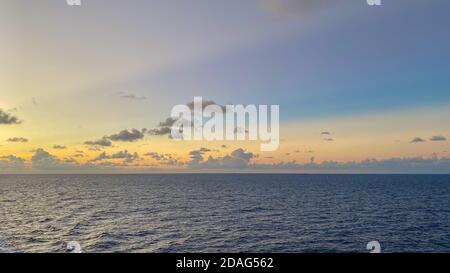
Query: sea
x,y
216,213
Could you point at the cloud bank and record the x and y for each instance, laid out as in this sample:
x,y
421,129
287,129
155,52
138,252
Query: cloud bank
x,y
238,160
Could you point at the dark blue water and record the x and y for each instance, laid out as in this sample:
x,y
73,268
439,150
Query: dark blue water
x,y
225,213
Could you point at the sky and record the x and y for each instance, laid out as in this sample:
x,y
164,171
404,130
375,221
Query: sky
x,y
361,88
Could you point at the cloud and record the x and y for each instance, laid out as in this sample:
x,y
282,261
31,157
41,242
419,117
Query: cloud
x,y
164,159
123,136
205,103
131,96
11,162
59,147
392,165
104,142
17,139
165,127
42,160
7,119
128,157
325,133
128,136
204,150
238,159
158,157
438,138
328,139
155,156
242,160
196,156
242,154
418,140
125,155
160,131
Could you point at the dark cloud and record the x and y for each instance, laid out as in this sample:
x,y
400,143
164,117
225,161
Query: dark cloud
x,y
155,156
160,131
438,138
242,154
167,123
17,139
165,127
164,159
123,136
7,119
104,142
328,139
325,133
418,140
196,156
128,157
128,136
158,156
238,159
59,147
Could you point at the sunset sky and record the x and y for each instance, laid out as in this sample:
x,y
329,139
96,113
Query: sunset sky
x,y
360,88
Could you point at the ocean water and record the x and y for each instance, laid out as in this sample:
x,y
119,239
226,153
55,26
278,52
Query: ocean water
x,y
225,213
